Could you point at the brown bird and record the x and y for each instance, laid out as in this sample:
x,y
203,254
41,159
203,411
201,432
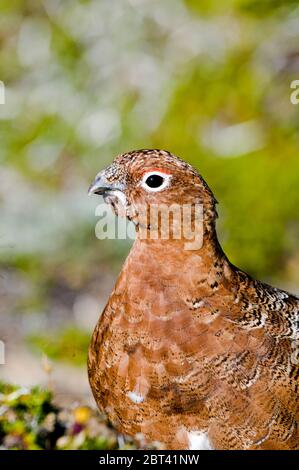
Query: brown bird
x,y
190,350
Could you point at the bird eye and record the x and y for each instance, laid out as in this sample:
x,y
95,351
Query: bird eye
x,y
155,181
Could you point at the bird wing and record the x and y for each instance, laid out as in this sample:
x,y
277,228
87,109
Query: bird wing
x,y
258,365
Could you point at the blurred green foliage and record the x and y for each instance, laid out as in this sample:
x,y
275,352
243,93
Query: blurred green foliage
x,y
70,345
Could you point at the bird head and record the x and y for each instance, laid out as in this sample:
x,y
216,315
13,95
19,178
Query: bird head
x,y
138,180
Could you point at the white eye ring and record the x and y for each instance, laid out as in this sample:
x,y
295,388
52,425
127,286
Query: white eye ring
x,y
166,179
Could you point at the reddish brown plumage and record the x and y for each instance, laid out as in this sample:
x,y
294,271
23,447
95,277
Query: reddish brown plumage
x,y
188,342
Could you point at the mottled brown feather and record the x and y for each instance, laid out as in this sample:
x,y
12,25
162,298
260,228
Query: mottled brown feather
x,y
202,344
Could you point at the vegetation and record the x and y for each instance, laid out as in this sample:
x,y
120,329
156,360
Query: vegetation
x,y
70,345
30,420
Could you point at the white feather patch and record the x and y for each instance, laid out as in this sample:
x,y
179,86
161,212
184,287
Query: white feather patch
x,y
120,196
198,440
135,397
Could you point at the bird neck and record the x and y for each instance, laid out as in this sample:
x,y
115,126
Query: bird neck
x,y
205,256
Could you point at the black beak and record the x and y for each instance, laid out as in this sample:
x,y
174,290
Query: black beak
x,y
102,186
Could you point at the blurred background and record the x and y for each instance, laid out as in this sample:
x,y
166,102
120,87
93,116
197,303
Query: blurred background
x,y
86,80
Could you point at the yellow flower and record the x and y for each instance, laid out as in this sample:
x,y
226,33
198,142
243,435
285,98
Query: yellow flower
x,y
82,414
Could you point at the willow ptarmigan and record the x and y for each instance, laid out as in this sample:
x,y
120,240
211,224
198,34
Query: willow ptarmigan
x,y
190,350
